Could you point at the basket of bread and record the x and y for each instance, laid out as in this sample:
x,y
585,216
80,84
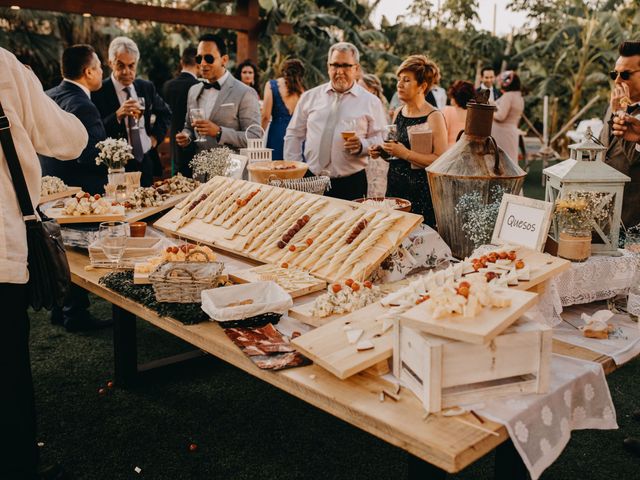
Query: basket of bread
x,y
185,273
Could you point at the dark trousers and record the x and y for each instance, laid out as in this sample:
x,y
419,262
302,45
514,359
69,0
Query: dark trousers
x,y
146,166
347,188
74,309
18,449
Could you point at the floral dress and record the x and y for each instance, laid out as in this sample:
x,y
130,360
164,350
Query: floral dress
x,y
406,182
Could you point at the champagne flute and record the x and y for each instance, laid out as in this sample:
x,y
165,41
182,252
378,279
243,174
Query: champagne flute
x,y
141,107
197,114
113,238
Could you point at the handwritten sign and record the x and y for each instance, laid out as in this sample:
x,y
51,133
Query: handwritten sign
x,y
522,221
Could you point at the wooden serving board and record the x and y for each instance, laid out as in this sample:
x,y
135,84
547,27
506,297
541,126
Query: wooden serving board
x,y
137,215
328,345
546,266
116,216
479,329
222,238
303,314
254,275
56,196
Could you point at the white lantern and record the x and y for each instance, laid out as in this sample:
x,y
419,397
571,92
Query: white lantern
x,y
585,171
256,151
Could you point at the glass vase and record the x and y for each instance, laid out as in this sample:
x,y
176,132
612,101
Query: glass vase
x,y
574,244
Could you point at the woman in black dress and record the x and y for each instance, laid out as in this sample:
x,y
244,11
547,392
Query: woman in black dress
x,y
407,177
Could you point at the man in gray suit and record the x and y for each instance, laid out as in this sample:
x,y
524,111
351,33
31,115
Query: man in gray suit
x,y
229,106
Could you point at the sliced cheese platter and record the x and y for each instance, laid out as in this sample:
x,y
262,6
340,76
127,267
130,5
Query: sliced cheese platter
x,y
58,195
295,282
330,238
116,213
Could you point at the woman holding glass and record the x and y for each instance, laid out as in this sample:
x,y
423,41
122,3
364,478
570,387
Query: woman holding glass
x,y
407,177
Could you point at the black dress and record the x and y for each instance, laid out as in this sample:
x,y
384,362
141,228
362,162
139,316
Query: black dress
x,y
406,182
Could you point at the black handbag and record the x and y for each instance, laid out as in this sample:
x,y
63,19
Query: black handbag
x,y
49,274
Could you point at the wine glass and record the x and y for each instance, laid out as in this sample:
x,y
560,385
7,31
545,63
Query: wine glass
x,y
141,107
348,128
391,133
113,238
197,114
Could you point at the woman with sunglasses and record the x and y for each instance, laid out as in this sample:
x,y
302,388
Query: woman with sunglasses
x,y
506,119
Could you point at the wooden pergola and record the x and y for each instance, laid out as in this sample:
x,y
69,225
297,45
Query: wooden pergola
x,y
246,22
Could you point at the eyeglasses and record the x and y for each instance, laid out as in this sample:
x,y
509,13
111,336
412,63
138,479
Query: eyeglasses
x,y
343,66
624,75
207,58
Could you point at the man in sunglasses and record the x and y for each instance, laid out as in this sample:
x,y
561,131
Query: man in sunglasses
x,y
228,105
334,125
621,150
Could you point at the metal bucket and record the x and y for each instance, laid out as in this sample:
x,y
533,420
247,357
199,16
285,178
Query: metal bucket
x,y
473,164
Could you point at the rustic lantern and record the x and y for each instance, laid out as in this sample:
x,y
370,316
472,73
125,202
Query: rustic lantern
x,y
473,164
585,171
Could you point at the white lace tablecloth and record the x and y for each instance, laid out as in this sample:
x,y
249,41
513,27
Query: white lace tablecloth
x,y
540,426
599,278
622,345
376,171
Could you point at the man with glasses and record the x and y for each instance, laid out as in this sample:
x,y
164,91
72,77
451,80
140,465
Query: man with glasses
x,y
334,125
229,106
621,152
125,116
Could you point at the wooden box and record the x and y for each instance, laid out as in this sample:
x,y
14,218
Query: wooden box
x,y
444,373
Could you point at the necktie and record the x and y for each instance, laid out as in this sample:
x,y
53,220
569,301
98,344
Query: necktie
x,y
134,133
208,85
326,140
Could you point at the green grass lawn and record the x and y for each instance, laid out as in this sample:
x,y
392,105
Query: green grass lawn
x,y
244,428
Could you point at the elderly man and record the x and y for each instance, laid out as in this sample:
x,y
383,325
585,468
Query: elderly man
x,y
622,153
227,105
175,93
124,116
330,111
82,74
35,124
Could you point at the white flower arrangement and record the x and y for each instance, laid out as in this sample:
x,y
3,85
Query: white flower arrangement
x,y
211,163
114,152
479,218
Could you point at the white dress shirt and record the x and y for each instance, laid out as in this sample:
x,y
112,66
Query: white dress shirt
x,y
208,97
491,95
308,123
39,125
79,85
122,97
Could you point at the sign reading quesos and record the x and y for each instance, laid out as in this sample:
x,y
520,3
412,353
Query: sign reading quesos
x,y
522,221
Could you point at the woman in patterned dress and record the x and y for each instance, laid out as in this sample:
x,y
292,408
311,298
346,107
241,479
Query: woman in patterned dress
x,y
407,177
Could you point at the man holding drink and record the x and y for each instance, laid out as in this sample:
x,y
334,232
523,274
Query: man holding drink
x,y
336,123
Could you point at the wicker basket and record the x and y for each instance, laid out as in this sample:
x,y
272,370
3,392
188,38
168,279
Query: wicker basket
x,y
182,282
317,185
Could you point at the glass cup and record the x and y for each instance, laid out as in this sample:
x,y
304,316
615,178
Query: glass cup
x,y
138,229
391,134
197,114
113,238
141,107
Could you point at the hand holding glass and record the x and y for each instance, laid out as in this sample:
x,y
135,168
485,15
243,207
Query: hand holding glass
x,y
197,114
141,108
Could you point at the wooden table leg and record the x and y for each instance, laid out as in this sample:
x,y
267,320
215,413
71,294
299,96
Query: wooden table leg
x,y
418,469
125,348
509,464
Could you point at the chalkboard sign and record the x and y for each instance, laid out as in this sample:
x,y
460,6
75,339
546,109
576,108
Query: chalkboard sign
x,y
522,221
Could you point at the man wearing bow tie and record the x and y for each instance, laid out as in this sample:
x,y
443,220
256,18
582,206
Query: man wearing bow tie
x,y
228,105
621,152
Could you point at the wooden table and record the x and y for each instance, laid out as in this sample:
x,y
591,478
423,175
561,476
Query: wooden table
x,y
442,442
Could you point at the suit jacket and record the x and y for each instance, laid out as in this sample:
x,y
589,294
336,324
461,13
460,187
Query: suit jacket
x,y
623,156
236,108
175,94
83,172
107,102
496,92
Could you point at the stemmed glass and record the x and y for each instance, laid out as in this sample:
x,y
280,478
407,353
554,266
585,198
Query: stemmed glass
x,y
197,114
113,239
391,133
348,128
141,107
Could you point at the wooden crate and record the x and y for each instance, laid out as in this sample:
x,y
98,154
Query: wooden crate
x,y
443,373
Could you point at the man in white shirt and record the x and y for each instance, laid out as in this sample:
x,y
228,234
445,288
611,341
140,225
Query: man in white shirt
x,y
487,82
330,110
37,125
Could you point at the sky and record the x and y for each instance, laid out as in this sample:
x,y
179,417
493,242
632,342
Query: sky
x,y
506,19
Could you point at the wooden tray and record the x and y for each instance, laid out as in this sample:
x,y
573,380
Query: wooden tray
x,y
547,266
479,329
254,275
328,345
137,215
56,196
56,213
222,238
